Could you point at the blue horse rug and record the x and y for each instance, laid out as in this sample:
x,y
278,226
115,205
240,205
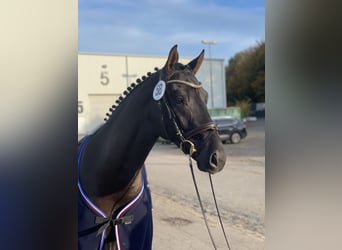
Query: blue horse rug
x,y
133,225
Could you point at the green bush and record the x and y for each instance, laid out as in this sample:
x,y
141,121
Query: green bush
x,y
244,105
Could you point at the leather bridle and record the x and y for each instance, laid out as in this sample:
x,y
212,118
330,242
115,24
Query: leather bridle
x,y
183,140
183,137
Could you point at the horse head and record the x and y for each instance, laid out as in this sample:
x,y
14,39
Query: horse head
x,y
185,116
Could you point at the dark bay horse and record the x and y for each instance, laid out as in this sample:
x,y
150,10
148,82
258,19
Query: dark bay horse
x,y
114,197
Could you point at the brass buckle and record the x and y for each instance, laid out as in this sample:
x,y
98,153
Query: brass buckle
x,y
192,147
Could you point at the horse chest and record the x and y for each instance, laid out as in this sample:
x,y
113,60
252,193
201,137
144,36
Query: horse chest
x,y
112,202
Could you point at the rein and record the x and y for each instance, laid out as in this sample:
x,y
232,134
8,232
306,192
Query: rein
x,y
202,209
184,138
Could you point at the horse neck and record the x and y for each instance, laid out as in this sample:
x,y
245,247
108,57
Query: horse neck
x,y
119,148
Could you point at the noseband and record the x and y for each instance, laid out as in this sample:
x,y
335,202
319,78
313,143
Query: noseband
x,y
182,136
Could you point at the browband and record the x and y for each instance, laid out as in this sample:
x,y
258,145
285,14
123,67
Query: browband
x,y
186,83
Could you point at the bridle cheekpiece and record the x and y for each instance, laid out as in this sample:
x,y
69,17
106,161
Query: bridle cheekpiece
x,y
182,136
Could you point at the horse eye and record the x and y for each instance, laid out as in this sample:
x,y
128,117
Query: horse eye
x,y
179,99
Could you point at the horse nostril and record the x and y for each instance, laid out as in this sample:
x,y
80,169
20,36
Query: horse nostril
x,y
213,160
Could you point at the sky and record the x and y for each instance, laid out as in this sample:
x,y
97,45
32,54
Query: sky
x,y
152,27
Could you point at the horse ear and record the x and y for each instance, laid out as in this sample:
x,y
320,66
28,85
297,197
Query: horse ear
x,y
196,63
172,59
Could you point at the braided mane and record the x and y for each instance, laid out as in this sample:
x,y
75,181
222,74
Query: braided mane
x,y
127,92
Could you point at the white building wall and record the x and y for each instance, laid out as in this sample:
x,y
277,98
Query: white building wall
x,y
103,77
216,94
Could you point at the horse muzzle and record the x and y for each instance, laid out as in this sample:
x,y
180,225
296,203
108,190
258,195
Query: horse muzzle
x,y
210,158
216,162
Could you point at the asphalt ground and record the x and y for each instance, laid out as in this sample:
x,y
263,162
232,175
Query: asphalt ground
x,y
240,193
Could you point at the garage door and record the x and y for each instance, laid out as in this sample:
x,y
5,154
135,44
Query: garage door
x,y
98,107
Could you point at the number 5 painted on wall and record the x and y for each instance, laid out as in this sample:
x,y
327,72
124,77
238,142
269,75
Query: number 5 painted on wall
x,y
104,78
80,107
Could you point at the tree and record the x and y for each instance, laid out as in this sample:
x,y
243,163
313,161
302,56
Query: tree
x,y
245,75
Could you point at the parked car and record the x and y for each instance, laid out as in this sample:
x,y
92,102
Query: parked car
x,y
230,129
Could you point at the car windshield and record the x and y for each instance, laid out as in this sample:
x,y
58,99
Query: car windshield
x,y
225,121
